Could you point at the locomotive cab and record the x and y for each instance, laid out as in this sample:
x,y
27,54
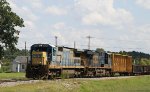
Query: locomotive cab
x,y
42,55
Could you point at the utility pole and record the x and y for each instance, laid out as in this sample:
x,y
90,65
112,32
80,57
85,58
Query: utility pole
x,y
74,44
89,37
25,49
56,40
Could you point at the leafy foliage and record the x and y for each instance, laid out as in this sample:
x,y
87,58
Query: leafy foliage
x,y
8,23
144,61
12,55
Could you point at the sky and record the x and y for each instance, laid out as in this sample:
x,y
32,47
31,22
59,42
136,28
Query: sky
x,y
114,25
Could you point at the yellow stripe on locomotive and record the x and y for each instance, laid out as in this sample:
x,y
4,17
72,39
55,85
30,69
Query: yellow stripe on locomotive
x,y
39,58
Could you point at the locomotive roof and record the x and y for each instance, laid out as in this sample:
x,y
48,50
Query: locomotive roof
x,y
121,54
67,47
42,45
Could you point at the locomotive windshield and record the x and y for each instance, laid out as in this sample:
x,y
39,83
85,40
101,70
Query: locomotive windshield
x,y
36,55
41,47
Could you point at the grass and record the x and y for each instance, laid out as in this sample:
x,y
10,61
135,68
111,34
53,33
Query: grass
x,y
12,75
138,84
135,84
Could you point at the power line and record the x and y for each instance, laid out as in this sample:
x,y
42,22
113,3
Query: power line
x,y
123,40
25,48
115,47
74,44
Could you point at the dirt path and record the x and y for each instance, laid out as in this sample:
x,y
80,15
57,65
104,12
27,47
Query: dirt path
x,y
4,83
105,78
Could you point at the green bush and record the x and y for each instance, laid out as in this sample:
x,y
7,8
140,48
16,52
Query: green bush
x,y
144,61
65,76
1,71
5,69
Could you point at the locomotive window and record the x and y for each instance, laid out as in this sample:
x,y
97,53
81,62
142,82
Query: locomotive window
x,y
60,49
54,51
106,58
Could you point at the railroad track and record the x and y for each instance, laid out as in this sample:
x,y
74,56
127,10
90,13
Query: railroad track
x,y
13,80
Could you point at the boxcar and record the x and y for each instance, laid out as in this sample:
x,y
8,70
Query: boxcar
x,y
121,64
137,69
129,64
147,69
141,69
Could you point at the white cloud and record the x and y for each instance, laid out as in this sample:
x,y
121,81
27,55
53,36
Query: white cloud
x,y
144,28
93,18
55,10
96,12
144,3
25,12
29,14
36,4
29,25
59,25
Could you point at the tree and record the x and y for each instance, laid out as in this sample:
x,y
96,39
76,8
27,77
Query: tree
x,y
100,50
123,52
11,56
8,23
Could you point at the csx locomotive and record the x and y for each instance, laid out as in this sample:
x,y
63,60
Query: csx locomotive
x,y
48,61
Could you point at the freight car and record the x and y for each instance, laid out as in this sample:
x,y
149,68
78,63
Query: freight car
x,y
121,64
48,61
141,69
